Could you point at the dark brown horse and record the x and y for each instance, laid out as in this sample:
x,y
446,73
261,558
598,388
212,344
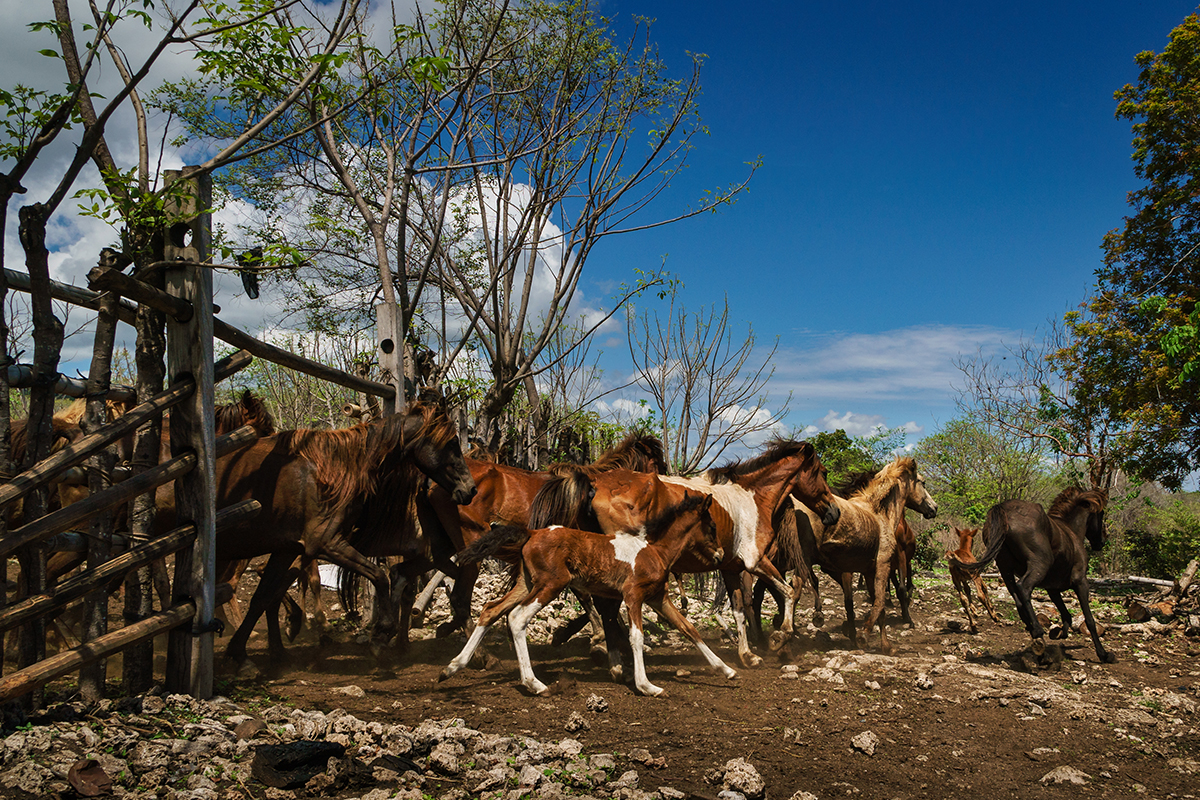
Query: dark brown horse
x,y
1035,548
315,487
755,494
630,566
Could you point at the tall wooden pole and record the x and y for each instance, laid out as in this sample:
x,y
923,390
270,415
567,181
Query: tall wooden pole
x,y
190,352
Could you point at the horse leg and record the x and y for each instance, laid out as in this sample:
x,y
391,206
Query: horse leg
x,y
460,600
1063,613
737,600
677,618
564,632
425,598
518,622
274,581
633,603
903,593
849,628
1085,608
491,612
754,620
766,569
683,598
818,616
963,589
384,620
1021,597
983,596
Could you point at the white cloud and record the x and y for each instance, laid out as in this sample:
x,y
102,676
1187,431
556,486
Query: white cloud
x,y
908,364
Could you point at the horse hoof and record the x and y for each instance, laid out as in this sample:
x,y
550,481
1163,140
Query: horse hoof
x,y
750,661
818,620
444,630
1108,658
1039,646
778,640
444,675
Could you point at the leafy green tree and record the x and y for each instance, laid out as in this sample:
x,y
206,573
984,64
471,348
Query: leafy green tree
x,y
841,454
971,466
1136,348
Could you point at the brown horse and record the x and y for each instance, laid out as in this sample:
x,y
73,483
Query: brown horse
x,y
315,486
752,492
1035,548
632,566
504,498
962,580
864,540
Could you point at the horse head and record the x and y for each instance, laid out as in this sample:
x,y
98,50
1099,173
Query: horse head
x,y
704,537
811,486
1097,501
918,498
436,451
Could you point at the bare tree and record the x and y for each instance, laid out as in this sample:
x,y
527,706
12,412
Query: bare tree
x,y
1026,394
707,392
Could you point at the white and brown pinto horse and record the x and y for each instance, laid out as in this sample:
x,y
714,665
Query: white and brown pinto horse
x,y
755,494
864,539
631,566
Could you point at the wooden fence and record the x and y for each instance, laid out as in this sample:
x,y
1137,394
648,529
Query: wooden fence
x,y
186,301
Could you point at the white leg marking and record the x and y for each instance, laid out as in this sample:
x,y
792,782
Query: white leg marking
x,y
468,650
518,622
640,681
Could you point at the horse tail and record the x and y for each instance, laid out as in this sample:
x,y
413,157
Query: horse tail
x,y
787,539
348,581
566,500
502,541
995,531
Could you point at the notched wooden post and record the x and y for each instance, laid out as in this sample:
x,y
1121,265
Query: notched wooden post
x,y
190,352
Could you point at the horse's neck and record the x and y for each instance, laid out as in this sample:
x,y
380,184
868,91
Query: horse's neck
x,y
888,504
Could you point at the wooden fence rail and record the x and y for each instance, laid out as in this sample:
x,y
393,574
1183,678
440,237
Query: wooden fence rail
x,y
64,459
30,678
118,494
79,585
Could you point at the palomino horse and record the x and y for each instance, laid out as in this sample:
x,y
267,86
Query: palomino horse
x,y
864,540
504,498
631,566
1038,549
962,580
752,492
314,486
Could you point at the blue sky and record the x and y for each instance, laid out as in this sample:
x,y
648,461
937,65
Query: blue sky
x,y
936,178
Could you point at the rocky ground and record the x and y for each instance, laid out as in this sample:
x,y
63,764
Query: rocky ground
x,y
947,714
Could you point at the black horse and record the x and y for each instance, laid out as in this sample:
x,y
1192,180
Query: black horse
x,y
1038,549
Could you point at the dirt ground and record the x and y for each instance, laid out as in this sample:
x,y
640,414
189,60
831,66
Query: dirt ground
x,y
953,714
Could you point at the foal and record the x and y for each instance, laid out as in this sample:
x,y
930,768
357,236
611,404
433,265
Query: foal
x,y
633,567
963,579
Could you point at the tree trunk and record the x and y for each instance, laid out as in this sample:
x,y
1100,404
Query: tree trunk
x,y
47,344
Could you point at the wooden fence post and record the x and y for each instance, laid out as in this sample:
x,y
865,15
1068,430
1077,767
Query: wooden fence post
x,y
391,352
190,352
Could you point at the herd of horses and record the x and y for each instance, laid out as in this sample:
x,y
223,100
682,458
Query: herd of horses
x,y
392,499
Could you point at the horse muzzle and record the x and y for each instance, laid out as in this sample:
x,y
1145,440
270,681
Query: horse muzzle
x,y
464,496
929,510
832,515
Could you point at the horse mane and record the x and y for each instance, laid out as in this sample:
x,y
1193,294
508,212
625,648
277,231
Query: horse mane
x,y
637,452
1073,496
776,450
886,481
248,410
74,413
346,462
855,482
